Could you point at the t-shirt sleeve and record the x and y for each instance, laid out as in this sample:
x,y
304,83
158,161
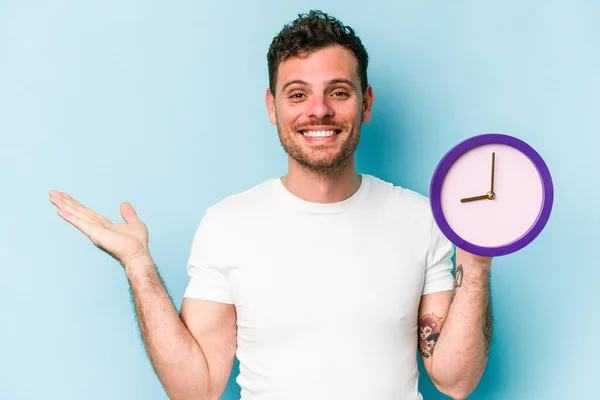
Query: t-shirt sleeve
x,y
206,266
438,271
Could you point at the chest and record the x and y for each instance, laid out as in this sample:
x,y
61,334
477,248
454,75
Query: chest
x,y
293,275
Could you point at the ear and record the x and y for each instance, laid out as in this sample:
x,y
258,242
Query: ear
x,y
270,101
367,104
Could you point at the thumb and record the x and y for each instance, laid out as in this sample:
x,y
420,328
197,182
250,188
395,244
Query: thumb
x,y
128,213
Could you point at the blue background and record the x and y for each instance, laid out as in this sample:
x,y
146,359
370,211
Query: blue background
x,y
162,104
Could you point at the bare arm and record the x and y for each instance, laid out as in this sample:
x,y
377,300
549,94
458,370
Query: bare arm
x,y
192,355
455,328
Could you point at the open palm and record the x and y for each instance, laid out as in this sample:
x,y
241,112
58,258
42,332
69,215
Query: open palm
x,y
124,241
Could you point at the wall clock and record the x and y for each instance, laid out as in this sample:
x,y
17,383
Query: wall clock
x,y
491,194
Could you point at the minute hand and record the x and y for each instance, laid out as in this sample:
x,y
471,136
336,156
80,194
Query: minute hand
x,y
493,165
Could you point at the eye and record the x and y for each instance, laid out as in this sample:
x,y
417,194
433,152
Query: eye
x,y
296,96
342,94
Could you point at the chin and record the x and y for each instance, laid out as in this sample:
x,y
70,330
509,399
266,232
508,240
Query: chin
x,y
326,164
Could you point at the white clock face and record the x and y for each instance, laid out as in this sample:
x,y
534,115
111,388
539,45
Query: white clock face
x,y
514,209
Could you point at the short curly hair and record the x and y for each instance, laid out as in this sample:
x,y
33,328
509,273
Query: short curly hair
x,y
312,31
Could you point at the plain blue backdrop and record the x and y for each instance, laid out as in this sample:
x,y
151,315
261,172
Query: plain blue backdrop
x,y
162,104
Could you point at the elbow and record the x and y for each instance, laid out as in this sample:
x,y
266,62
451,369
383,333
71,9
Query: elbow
x,y
458,389
186,395
456,393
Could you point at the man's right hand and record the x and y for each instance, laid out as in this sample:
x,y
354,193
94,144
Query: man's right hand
x,y
185,369
124,242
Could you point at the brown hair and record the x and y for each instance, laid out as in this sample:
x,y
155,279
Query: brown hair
x,y
312,31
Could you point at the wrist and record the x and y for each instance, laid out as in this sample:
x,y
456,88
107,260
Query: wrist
x,y
481,263
138,266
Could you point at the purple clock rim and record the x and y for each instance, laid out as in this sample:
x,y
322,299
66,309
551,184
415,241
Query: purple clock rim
x,y
452,155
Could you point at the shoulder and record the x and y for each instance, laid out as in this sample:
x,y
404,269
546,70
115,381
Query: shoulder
x,y
241,205
228,219
396,198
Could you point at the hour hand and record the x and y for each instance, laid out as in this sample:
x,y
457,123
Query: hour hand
x,y
488,196
484,197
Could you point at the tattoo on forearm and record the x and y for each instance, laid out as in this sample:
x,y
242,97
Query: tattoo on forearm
x,y
487,327
429,331
458,278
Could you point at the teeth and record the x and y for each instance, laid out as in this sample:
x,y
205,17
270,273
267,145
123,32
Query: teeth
x,y
318,133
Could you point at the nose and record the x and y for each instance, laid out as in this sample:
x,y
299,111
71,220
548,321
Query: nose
x,y
320,107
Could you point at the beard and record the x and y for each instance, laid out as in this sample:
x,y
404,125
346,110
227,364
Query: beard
x,y
319,159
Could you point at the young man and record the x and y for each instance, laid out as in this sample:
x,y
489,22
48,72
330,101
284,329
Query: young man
x,y
323,282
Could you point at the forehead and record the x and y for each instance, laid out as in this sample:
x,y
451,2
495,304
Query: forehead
x,y
319,66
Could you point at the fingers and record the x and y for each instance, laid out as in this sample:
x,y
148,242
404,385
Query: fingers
x,y
128,213
79,220
76,206
62,204
83,225
77,215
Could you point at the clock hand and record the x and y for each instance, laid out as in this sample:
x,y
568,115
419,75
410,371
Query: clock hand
x,y
484,197
493,165
488,196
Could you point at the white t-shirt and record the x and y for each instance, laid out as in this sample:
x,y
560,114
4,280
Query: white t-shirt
x,y
327,295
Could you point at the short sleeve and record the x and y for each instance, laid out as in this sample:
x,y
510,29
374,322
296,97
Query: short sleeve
x,y
438,271
205,266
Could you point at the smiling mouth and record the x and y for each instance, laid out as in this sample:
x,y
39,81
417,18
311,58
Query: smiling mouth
x,y
320,134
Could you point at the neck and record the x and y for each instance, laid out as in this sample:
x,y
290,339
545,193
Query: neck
x,y
330,186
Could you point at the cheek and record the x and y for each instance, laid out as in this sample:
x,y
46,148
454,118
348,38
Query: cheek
x,y
350,111
346,115
288,119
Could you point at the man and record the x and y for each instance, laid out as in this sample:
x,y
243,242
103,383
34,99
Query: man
x,y
323,282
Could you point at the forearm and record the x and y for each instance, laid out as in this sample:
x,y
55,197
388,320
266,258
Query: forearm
x,y
462,349
175,355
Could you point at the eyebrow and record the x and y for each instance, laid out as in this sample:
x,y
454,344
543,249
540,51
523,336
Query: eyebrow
x,y
331,82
